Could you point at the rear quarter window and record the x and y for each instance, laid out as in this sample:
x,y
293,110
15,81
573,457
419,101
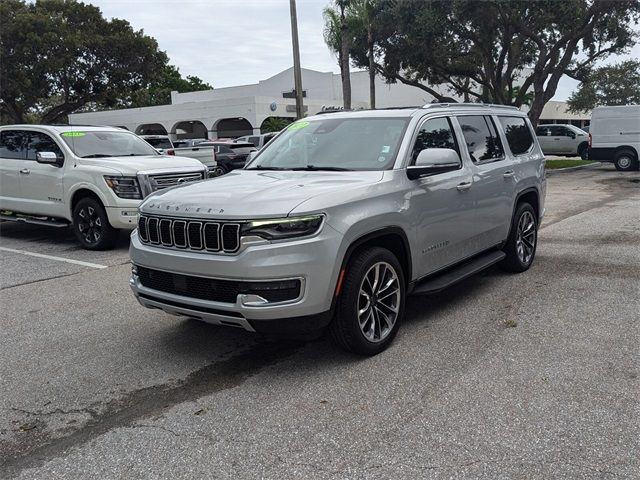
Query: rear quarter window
x,y
518,134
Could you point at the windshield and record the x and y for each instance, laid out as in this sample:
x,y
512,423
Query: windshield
x,y
327,143
159,142
97,144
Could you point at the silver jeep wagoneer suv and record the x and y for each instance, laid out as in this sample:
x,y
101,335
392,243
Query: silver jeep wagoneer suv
x,y
343,215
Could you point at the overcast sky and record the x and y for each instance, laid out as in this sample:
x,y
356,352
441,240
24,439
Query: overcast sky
x,y
236,42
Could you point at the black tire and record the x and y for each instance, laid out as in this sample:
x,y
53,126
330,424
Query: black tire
x,y
91,225
625,161
219,171
345,328
518,260
583,151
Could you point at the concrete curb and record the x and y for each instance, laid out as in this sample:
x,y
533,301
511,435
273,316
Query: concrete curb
x,y
571,169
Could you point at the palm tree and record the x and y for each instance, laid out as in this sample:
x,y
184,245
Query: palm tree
x,y
364,13
337,36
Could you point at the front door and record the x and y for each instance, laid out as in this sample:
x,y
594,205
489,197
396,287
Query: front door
x,y
443,203
41,187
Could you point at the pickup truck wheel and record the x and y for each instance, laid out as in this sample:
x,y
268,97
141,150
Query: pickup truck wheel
x,y
583,151
371,304
219,171
523,240
625,161
91,225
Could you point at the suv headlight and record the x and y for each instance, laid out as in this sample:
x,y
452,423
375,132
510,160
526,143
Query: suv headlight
x,y
280,228
124,187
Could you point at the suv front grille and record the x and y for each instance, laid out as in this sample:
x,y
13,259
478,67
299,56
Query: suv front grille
x,y
166,180
216,290
190,234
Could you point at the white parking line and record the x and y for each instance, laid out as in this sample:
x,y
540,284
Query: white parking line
x,y
51,257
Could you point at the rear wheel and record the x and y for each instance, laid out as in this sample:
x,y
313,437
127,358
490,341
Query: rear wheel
x,y
523,240
91,225
625,161
583,151
219,171
371,304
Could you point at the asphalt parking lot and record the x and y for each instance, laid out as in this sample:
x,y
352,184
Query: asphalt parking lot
x,y
502,376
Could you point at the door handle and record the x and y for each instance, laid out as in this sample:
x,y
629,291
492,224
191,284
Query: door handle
x,y
464,186
25,171
508,174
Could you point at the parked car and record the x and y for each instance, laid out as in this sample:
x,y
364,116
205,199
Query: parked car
x,y
188,142
615,136
566,140
160,142
258,141
91,178
202,151
230,156
338,219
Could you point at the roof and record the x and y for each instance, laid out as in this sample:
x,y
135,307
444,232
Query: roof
x,y
411,111
66,128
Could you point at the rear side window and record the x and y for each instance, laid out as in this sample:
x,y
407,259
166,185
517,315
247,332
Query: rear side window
x,y
13,144
481,138
518,134
434,133
41,142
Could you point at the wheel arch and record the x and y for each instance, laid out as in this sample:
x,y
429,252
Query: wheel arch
x,y
531,196
393,238
80,193
626,147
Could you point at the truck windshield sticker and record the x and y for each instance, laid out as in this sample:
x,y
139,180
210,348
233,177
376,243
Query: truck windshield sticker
x,y
73,134
299,125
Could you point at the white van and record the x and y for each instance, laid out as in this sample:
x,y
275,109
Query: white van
x,y
614,136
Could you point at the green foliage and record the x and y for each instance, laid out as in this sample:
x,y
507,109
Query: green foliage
x,y
159,91
617,84
60,56
274,124
495,51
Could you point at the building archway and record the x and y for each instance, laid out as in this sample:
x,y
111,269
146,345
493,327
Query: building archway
x,y
151,129
232,127
189,129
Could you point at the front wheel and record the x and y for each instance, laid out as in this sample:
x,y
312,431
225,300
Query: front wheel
x,y
371,304
523,240
91,225
625,161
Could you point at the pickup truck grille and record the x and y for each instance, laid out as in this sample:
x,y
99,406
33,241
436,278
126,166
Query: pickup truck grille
x,y
166,180
186,234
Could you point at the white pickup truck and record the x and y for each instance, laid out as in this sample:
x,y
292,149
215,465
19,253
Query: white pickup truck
x,y
205,153
92,178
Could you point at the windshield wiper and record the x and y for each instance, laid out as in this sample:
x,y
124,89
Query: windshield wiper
x,y
260,167
327,169
97,155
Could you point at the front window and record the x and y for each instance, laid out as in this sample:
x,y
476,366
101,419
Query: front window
x,y
98,144
330,143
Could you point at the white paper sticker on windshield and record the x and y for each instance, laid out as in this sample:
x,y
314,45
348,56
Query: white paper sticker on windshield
x,y
386,149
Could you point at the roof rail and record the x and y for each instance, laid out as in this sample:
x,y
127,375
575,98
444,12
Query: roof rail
x,y
467,105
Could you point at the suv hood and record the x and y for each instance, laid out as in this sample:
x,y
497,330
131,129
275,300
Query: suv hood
x,y
133,165
244,194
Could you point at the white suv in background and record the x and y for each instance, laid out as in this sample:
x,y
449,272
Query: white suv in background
x,y
93,178
566,140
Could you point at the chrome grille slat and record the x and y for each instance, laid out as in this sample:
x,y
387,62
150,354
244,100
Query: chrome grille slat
x,y
196,235
166,180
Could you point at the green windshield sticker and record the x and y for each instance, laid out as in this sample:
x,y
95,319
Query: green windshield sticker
x,y
299,125
73,134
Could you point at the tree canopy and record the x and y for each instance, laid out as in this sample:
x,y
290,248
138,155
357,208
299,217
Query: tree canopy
x,y
617,84
60,56
496,51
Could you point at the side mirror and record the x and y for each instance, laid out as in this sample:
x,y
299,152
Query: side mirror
x,y
432,161
49,158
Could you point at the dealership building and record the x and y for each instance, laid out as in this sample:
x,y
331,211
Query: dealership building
x,y
243,110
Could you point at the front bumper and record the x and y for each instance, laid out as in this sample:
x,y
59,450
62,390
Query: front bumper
x,y
315,261
124,218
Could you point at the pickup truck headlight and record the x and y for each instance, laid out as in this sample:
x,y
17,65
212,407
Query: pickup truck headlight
x,y
124,187
281,228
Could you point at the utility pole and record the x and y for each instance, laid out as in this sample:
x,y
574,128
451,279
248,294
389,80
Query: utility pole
x,y
297,73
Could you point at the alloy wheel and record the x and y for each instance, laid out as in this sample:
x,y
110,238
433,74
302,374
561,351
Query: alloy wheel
x,y
526,237
378,302
90,225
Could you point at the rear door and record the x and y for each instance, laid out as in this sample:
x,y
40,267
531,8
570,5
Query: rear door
x,y
493,187
562,139
41,188
13,160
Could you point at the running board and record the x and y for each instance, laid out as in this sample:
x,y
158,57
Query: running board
x,y
446,279
51,222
